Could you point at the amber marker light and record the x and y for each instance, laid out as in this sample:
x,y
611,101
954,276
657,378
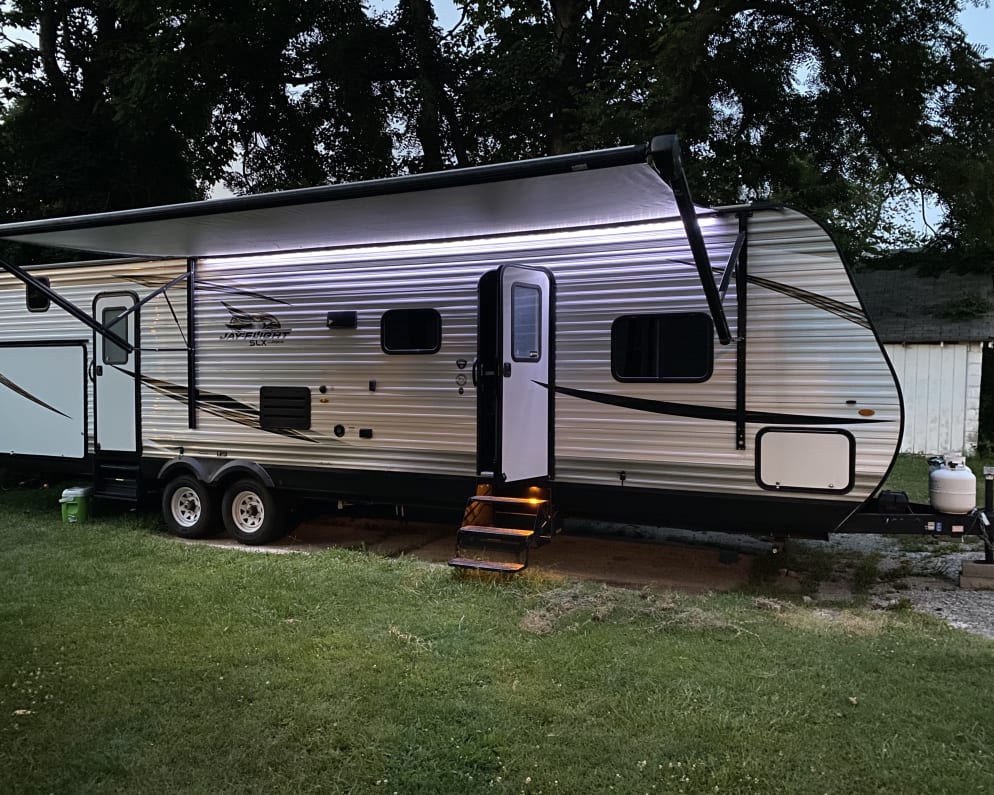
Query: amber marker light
x,y
866,412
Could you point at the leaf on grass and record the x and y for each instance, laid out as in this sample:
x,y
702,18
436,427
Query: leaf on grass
x,y
22,711
852,700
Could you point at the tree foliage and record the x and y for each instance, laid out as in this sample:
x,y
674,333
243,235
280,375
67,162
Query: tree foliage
x,y
856,110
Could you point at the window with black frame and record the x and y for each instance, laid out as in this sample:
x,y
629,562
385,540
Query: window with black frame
x,y
406,331
37,300
677,346
526,322
112,352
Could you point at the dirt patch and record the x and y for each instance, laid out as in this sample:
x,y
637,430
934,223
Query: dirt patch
x,y
601,558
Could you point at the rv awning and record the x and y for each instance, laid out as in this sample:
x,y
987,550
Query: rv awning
x,y
593,188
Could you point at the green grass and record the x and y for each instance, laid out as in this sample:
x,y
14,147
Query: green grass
x,y
910,474
140,664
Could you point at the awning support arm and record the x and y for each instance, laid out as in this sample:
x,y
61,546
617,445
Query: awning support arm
x,y
193,394
155,293
68,306
732,266
741,257
664,156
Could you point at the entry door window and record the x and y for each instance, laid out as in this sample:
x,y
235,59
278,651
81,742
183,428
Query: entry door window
x,y
526,323
114,353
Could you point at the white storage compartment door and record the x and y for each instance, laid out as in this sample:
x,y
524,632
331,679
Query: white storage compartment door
x,y
43,399
792,459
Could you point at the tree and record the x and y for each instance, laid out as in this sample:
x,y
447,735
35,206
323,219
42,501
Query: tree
x,y
854,110
845,109
110,104
101,109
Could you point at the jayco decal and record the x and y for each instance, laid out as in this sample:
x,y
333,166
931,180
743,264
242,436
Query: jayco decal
x,y
256,330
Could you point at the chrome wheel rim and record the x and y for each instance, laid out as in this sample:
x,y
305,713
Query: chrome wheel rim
x,y
248,512
186,507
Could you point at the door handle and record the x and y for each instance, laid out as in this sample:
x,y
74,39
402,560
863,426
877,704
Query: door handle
x,y
477,367
507,369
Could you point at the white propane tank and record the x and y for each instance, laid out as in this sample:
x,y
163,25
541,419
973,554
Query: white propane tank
x,y
952,487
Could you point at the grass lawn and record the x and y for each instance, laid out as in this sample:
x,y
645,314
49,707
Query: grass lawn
x,y
130,662
910,474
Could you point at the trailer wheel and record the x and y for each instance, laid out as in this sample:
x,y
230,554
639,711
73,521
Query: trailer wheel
x,y
189,507
252,513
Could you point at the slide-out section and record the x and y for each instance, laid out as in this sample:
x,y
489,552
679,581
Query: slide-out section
x,y
43,399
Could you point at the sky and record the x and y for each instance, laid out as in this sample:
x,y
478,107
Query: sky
x,y
979,26
977,22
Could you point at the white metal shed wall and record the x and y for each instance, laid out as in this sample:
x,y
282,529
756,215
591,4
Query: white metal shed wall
x,y
941,386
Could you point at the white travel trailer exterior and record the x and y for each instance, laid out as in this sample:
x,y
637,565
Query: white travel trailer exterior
x,y
569,324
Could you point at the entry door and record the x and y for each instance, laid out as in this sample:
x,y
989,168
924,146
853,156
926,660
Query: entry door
x,y
523,375
115,391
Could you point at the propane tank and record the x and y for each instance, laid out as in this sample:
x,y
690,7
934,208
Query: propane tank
x,y
952,487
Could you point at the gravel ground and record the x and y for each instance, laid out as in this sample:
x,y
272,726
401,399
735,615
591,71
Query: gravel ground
x,y
933,584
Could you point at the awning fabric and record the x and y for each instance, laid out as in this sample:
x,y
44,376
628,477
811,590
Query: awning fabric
x,y
595,188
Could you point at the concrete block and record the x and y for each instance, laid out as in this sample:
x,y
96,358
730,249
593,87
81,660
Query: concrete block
x,y
977,576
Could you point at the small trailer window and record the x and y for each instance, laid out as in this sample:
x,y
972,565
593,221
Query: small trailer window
x,y
37,300
676,346
411,331
526,322
114,353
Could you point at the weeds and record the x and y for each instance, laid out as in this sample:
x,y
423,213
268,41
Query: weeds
x,y
865,573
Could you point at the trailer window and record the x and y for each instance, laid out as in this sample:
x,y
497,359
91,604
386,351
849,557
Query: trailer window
x,y
37,300
411,331
675,346
114,353
526,322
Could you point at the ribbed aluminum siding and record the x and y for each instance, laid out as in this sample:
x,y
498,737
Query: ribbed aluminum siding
x,y
806,359
802,358
81,285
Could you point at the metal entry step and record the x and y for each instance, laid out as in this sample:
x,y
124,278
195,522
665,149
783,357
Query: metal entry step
x,y
488,545
487,565
116,482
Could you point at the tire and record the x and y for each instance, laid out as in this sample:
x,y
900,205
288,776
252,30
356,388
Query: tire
x,y
252,514
189,507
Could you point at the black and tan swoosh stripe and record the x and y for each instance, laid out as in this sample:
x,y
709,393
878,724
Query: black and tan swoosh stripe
x,y
223,406
708,412
4,381
847,312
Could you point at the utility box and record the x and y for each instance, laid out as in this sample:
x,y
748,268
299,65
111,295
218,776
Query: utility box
x,y
75,504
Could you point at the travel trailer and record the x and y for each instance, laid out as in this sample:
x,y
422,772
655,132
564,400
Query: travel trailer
x,y
566,336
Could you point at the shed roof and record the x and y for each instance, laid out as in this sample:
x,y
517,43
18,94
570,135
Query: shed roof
x,y
950,307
